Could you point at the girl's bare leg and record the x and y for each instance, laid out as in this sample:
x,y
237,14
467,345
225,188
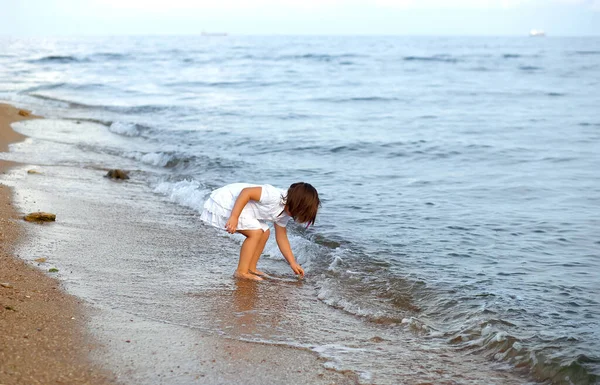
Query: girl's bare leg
x,y
258,252
253,238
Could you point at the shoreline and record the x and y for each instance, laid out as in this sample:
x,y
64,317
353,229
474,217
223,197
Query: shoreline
x,y
43,328
55,337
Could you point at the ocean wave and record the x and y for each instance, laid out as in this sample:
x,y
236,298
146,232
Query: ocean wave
x,y
319,57
434,58
511,56
65,102
384,299
64,86
45,87
204,84
480,69
159,159
365,298
65,59
529,68
126,129
585,53
104,56
344,149
358,99
188,193
57,59
493,339
338,301
361,285
141,109
315,57
414,149
307,252
222,84
588,124
331,353
327,241
294,116
180,162
91,120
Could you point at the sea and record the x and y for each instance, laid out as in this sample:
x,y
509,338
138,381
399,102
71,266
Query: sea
x,y
458,240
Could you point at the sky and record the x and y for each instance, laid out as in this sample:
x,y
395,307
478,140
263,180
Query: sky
x,y
299,17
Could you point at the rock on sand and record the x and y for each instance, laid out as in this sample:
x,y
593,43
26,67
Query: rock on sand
x,y
40,217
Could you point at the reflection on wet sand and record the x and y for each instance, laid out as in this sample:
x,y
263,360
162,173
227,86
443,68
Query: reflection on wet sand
x,y
251,310
259,309
245,298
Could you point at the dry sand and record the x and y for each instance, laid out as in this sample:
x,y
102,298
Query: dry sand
x,y
42,339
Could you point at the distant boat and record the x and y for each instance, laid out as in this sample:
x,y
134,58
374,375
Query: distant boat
x,y
537,33
204,33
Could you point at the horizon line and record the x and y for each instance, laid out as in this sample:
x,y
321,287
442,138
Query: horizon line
x,y
225,34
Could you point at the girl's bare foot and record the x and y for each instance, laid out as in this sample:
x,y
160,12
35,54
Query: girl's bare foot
x,y
247,276
259,273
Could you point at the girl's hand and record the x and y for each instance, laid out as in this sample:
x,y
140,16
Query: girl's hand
x,y
297,269
246,195
231,225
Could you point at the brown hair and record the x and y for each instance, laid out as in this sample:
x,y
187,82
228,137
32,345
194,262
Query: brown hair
x,y
302,202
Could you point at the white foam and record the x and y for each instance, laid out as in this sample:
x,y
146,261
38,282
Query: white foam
x,y
159,159
336,355
122,128
365,376
517,346
330,297
303,249
486,330
331,349
188,193
415,324
337,261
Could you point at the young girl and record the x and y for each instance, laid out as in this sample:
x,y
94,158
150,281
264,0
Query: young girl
x,y
244,208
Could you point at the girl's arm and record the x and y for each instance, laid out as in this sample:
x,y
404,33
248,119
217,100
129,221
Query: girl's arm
x,y
242,200
284,246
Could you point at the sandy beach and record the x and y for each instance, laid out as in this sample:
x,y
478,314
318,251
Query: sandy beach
x,y
43,335
51,336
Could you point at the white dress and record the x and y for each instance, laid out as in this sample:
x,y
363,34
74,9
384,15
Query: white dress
x,y
269,208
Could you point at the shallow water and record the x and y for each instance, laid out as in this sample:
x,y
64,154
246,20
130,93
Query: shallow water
x,y
459,179
135,257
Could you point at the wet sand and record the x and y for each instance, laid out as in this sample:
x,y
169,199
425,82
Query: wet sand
x,y
133,347
43,336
